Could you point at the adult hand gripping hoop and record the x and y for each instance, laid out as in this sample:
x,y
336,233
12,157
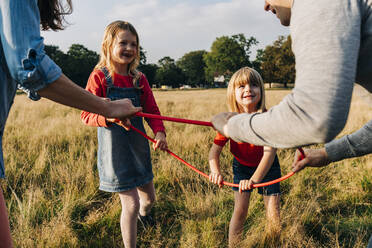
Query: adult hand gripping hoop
x,y
209,124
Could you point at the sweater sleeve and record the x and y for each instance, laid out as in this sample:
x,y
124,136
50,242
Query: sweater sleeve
x,y
96,85
326,43
356,144
149,106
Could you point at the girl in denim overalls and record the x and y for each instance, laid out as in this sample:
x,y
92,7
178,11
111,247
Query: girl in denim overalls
x,y
124,163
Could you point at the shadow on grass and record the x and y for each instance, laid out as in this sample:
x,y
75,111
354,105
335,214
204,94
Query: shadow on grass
x,y
343,220
104,232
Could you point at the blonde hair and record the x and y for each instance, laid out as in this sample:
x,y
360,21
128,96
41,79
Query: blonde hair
x,y
243,76
109,37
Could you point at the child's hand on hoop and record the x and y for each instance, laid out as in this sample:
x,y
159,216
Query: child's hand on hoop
x,y
161,142
125,124
216,178
246,185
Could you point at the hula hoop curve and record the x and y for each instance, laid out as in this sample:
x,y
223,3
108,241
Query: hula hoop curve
x,y
203,123
166,118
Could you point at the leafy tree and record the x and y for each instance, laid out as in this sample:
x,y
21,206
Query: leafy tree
x,y
169,73
81,62
245,43
256,64
192,65
150,71
227,55
77,63
143,58
278,62
59,57
287,63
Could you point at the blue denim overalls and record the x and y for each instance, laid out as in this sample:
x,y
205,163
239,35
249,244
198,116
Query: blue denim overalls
x,y
124,160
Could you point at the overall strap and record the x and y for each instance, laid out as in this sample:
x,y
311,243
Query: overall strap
x,y
107,76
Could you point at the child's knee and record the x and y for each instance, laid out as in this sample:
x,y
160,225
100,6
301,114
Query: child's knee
x,y
148,201
131,206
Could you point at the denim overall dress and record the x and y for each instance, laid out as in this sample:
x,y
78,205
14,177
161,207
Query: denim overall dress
x,y
124,160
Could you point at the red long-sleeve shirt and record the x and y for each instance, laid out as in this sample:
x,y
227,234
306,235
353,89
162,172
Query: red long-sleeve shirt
x,y
98,86
246,154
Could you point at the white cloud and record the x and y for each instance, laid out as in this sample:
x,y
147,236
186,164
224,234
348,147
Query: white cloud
x,y
173,28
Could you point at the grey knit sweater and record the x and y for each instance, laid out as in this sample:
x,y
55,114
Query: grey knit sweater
x,y
332,43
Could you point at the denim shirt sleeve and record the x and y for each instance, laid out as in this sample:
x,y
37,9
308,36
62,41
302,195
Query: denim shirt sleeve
x,y
356,144
23,46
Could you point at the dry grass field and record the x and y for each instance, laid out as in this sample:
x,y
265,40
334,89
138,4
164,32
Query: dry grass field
x,y
52,194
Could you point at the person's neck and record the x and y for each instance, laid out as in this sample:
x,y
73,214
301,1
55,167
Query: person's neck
x,y
121,69
249,109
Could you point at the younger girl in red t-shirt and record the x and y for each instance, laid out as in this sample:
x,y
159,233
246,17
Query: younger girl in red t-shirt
x,y
252,164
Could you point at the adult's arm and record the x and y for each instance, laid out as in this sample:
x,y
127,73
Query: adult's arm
x,y
356,144
64,91
326,41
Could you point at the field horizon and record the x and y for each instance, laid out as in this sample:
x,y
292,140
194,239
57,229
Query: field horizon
x,y
51,185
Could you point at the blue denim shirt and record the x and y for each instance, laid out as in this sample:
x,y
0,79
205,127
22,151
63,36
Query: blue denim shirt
x,y
23,47
23,62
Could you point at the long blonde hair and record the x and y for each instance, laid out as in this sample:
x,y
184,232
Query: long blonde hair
x,y
106,48
245,75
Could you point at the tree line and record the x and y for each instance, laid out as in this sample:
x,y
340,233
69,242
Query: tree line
x,y
276,63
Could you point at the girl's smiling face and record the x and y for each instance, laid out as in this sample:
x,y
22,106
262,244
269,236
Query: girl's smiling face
x,y
248,96
124,49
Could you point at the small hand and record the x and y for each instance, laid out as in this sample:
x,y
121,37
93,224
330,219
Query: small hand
x,y
313,158
112,120
216,178
220,122
125,124
246,185
161,142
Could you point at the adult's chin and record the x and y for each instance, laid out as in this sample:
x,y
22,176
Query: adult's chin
x,y
285,22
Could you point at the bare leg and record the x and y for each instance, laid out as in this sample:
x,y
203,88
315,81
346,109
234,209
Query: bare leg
x,y
147,198
5,237
128,220
272,204
238,217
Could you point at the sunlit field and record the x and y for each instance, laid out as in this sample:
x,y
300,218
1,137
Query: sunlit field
x,y
52,194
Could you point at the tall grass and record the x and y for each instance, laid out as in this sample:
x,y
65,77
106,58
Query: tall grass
x,y
52,194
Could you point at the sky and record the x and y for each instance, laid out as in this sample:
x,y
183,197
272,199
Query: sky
x,y
169,27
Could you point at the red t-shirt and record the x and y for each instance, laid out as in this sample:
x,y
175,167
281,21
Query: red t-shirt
x,y
246,154
98,86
